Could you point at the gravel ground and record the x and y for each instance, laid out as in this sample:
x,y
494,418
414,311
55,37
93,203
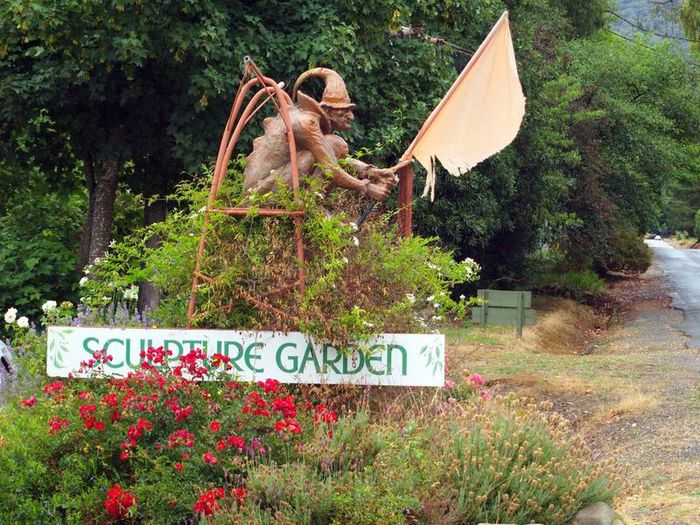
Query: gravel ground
x,y
660,447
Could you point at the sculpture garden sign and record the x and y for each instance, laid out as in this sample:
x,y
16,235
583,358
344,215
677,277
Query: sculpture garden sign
x,y
478,116
391,359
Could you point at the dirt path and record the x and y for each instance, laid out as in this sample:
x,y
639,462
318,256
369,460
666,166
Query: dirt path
x,y
660,443
632,389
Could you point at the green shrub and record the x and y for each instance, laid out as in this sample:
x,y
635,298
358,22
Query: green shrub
x,y
358,283
519,464
697,224
222,452
576,285
38,249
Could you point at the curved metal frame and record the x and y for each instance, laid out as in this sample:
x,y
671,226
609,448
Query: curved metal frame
x,y
230,137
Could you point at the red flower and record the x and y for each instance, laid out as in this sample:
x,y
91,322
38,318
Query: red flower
x,y
86,411
285,405
181,438
215,426
218,359
99,426
269,386
239,495
178,467
236,442
221,445
53,388
210,458
323,415
207,503
119,502
56,424
29,402
288,425
136,431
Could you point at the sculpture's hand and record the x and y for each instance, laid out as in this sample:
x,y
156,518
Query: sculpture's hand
x,y
380,191
382,176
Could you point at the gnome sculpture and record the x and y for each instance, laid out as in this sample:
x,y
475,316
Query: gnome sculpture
x,y
318,147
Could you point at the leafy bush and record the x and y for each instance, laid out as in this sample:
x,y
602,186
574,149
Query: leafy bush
x,y
576,285
163,447
681,236
38,246
358,283
697,224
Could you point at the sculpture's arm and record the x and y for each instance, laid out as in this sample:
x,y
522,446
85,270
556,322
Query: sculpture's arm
x,y
310,137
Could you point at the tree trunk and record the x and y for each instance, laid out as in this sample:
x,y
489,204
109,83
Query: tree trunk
x,y
86,235
148,293
103,213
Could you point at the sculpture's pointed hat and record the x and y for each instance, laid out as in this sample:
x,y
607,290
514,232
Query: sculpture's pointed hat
x,y
335,95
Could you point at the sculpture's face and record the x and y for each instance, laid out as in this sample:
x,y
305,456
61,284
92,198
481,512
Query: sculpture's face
x,y
341,118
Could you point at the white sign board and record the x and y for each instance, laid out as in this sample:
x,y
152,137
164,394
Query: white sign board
x,y
392,359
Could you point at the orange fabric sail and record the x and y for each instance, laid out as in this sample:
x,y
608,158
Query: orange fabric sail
x,y
480,114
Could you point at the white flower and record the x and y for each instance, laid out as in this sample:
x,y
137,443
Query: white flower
x,y
437,318
462,298
431,266
411,298
368,325
23,322
131,293
436,305
49,306
345,260
83,281
430,299
354,227
105,298
11,315
356,241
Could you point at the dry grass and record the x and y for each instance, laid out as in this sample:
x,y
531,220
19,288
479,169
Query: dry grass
x,y
631,404
541,385
566,329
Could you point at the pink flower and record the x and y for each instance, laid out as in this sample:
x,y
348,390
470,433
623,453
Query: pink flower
x,y
178,467
210,458
29,402
476,380
449,384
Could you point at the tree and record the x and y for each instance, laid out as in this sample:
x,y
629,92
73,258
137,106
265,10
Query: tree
x,y
690,19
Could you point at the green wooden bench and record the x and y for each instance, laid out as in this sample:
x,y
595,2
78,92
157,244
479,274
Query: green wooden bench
x,y
504,307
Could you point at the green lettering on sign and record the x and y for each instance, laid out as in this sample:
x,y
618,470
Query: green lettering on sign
x,y
291,358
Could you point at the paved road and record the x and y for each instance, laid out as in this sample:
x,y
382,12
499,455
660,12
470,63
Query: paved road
x,y
682,270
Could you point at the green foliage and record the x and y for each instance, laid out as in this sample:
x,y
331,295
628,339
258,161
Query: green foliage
x,y
510,466
697,223
506,461
39,235
690,18
357,283
577,285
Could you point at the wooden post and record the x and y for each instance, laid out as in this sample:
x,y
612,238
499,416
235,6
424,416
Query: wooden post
x,y
484,309
521,314
406,201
